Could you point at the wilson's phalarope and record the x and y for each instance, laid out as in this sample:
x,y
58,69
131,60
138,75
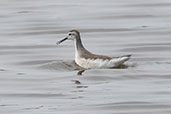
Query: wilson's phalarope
x,y
88,60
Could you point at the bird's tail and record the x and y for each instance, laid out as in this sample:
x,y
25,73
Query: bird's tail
x,y
125,57
120,60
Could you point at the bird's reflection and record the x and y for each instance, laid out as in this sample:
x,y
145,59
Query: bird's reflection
x,y
82,70
79,84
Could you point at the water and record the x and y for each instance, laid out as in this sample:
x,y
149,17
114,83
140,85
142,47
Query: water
x,y
38,77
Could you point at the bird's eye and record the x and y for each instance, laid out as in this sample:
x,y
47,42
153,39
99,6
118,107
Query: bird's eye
x,y
69,34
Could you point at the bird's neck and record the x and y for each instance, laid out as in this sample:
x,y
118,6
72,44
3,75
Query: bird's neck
x,y
79,48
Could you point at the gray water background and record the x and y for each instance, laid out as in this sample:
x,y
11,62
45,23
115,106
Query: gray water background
x,y
38,77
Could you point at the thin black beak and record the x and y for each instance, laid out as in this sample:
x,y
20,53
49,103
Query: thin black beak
x,y
61,41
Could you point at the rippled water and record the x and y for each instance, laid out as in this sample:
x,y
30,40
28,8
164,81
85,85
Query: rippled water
x,y
36,76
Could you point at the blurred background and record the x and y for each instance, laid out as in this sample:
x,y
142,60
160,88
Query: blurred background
x,y
37,76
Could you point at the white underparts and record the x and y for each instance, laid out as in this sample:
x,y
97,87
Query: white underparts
x,y
98,63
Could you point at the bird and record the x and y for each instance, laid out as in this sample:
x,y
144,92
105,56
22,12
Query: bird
x,y
87,60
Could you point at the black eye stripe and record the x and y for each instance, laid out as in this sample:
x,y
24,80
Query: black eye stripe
x,y
69,34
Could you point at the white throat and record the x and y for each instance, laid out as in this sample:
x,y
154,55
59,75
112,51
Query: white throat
x,y
76,50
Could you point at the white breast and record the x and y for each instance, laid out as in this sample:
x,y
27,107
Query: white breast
x,y
91,63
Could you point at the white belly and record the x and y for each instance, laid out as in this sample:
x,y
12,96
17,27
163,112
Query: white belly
x,y
99,63
91,63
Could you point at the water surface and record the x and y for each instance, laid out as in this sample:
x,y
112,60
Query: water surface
x,y
37,76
